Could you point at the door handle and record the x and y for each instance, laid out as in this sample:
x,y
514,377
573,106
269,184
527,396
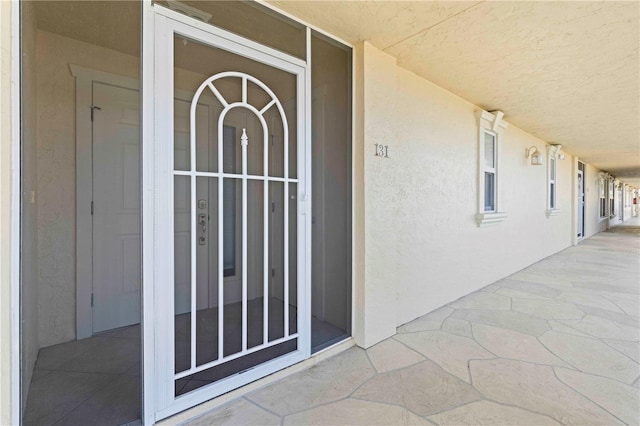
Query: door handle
x,y
202,222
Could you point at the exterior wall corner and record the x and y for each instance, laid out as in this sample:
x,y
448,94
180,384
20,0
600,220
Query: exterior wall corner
x,y
375,291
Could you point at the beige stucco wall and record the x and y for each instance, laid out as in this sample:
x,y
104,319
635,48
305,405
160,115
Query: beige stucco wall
x,y
421,245
374,197
5,212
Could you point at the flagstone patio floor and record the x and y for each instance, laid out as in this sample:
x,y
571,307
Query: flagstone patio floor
x,y
556,343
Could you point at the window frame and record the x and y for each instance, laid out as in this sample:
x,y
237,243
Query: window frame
x,y
611,192
602,203
490,123
553,155
492,171
617,199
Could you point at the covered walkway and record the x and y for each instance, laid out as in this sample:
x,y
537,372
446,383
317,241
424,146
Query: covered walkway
x,y
556,343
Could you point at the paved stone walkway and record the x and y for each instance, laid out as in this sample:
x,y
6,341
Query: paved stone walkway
x,y
556,343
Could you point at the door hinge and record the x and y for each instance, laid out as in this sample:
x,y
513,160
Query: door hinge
x,y
273,207
92,208
92,300
93,108
273,272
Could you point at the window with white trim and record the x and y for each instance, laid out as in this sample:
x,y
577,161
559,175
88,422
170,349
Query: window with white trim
x,y
612,198
603,201
490,127
554,155
552,183
489,171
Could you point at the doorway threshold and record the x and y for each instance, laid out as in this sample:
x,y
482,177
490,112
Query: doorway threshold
x,y
237,393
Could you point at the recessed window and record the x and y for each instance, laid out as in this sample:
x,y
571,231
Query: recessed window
x,y
554,155
552,183
489,141
489,172
612,198
603,201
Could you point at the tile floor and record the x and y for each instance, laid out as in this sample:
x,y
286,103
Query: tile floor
x,y
556,343
96,381
92,381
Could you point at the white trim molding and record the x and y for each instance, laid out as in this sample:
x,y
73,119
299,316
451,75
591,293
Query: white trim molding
x,y
147,161
492,120
489,219
15,219
490,123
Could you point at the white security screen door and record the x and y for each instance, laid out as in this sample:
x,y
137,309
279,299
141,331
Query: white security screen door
x,y
231,224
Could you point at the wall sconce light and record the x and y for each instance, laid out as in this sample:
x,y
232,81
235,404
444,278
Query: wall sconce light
x,y
536,157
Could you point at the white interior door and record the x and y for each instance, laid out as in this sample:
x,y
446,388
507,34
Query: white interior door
x,y
233,193
116,207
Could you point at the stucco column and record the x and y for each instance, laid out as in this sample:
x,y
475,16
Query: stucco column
x,y
375,286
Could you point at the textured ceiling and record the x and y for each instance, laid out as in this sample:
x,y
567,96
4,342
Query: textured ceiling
x,y
565,71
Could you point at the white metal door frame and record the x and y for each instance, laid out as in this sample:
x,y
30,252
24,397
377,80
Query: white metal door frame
x,y
159,27
13,162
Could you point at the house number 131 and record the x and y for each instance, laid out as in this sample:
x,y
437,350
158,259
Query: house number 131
x,y
382,150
